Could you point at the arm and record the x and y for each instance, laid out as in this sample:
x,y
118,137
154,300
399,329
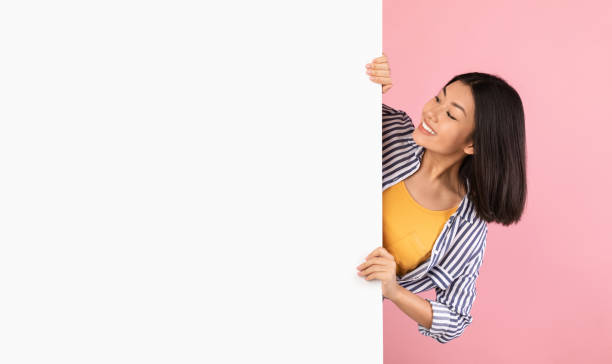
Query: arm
x,y
448,316
413,305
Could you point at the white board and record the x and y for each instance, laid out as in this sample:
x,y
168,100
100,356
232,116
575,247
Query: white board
x,y
189,182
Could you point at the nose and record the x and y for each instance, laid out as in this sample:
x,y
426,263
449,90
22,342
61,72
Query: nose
x,y
429,117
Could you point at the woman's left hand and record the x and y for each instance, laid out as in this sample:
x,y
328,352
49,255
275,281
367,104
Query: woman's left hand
x,y
380,264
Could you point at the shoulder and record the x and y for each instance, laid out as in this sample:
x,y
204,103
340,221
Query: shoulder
x,y
392,116
397,127
474,238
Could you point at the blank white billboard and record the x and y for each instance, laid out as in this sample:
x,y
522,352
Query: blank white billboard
x,y
189,182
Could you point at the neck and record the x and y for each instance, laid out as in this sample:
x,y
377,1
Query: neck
x,y
442,171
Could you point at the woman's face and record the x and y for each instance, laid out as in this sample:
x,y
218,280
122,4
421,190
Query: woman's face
x,y
450,114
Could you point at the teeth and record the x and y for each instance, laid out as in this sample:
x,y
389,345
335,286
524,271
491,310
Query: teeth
x,y
426,127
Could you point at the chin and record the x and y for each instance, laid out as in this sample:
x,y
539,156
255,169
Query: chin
x,y
417,138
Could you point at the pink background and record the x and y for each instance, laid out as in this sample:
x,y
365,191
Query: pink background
x,y
543,294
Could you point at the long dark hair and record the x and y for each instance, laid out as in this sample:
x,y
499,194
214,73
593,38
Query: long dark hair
x,y
497,169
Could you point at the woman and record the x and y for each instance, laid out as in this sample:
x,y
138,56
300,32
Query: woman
x,y
443,182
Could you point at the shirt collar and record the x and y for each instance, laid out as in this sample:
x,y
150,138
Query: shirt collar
x,y
466,208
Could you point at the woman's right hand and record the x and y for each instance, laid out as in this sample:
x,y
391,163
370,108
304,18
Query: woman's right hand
x,y
380,72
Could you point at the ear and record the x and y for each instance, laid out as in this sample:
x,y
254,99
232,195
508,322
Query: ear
x,y
469,149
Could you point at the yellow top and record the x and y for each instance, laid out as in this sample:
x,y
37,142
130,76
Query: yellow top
x,y
409,229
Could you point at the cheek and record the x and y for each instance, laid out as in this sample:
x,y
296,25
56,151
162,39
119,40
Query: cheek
x,y
446,131
450,138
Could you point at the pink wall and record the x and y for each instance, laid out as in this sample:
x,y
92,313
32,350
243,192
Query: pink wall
x,y
543,294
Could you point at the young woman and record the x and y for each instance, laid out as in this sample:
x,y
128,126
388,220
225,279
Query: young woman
x,y
443,182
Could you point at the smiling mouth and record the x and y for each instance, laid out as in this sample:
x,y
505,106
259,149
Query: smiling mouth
x,y
427,128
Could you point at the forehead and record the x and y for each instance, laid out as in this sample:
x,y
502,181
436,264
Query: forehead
x,y
461,94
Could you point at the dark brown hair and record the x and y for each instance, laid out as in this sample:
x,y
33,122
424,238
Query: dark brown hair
x,y
497,169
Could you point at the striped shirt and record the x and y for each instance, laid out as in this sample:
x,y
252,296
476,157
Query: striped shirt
x,y
458,251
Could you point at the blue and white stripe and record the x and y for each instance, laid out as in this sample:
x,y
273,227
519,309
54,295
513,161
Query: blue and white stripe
x,y
458,251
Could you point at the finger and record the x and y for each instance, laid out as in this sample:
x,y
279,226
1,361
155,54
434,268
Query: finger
x,y
379,73
376,275
380,252
375,253
373,269
382,59
386,88
371,261
386,254
381,80
376,79
378,66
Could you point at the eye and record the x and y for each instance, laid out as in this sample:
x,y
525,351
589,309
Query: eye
x,y
447,113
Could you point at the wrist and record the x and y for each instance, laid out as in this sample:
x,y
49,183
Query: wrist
x,y
395,292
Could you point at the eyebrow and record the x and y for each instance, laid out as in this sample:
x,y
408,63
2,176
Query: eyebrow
x,y
454,103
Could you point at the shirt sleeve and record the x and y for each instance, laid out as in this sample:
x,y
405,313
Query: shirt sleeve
x,y
392,119
451,309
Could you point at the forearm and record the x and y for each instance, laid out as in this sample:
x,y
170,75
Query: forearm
x,y
417,308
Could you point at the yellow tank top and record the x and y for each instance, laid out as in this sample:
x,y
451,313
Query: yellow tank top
x,y
409,229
